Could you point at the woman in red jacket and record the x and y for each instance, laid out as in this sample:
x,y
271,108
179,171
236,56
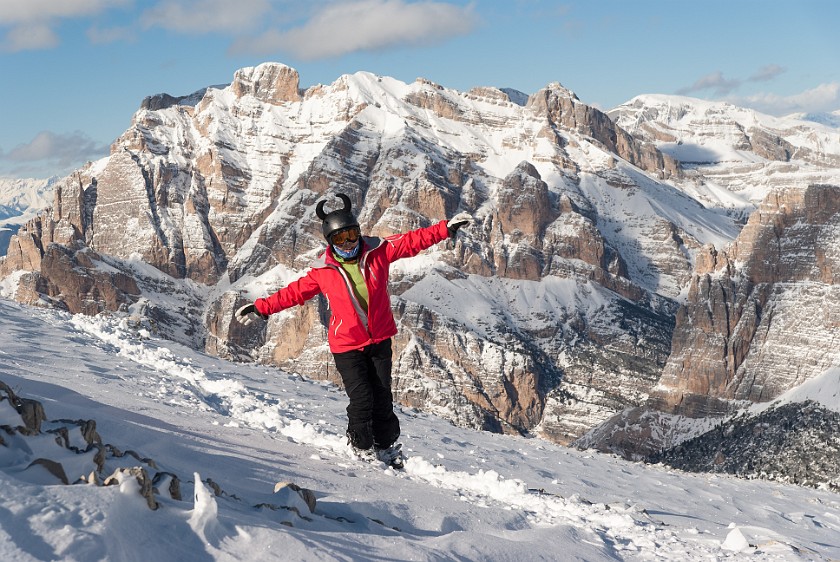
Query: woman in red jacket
x,y
353,275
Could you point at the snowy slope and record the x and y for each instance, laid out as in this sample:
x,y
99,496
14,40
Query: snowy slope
x,y
824,389
464,494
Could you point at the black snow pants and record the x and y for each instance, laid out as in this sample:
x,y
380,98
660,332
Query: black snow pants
x,y
366,374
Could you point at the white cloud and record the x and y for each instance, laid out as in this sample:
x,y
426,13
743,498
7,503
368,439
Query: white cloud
x,y
54,150
365,25
29,37
337,26
766,73
14,12
714,81
31,23
722,86
202,16
822,98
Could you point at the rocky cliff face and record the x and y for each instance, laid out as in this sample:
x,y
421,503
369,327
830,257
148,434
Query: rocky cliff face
x,y
756,322
757,319
550,314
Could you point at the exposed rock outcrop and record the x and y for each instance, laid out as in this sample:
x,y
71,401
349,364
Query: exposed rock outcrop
x,y
270,83
564,109
78,444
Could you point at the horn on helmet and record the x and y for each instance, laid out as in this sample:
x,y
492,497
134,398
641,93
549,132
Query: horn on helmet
x,y
346,201
319,210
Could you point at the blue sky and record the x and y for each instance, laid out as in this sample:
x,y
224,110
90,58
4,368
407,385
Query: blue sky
x,y
75,71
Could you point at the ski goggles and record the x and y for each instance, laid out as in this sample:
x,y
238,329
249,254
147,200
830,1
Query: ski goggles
x,y
342,237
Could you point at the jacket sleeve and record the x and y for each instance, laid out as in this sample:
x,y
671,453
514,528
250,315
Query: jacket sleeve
x,y
295,293
412,243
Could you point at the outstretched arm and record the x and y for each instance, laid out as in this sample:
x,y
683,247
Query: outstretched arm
x,y
295,293
413,242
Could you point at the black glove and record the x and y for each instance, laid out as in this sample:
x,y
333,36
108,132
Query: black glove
x,y
456,222
247,314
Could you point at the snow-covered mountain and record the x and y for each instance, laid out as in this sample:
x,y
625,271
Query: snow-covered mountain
x,y
828,119
217,436
735,156
20,201
552,314
558,296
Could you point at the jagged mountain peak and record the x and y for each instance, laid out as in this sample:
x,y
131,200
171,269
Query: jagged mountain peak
x,y
272,83
558,89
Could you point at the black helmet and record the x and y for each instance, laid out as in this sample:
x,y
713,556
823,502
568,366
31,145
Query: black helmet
x,y
336,220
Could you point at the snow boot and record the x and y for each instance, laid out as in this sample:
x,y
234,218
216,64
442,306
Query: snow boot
x,y
367,455
392,456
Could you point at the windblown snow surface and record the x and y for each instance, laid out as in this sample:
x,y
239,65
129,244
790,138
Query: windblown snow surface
x,y
464,495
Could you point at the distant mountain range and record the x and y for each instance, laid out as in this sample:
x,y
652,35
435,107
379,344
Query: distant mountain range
x,y
829,119
608,290
20,201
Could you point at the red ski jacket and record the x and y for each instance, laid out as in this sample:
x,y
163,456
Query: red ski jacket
x,y
350,327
